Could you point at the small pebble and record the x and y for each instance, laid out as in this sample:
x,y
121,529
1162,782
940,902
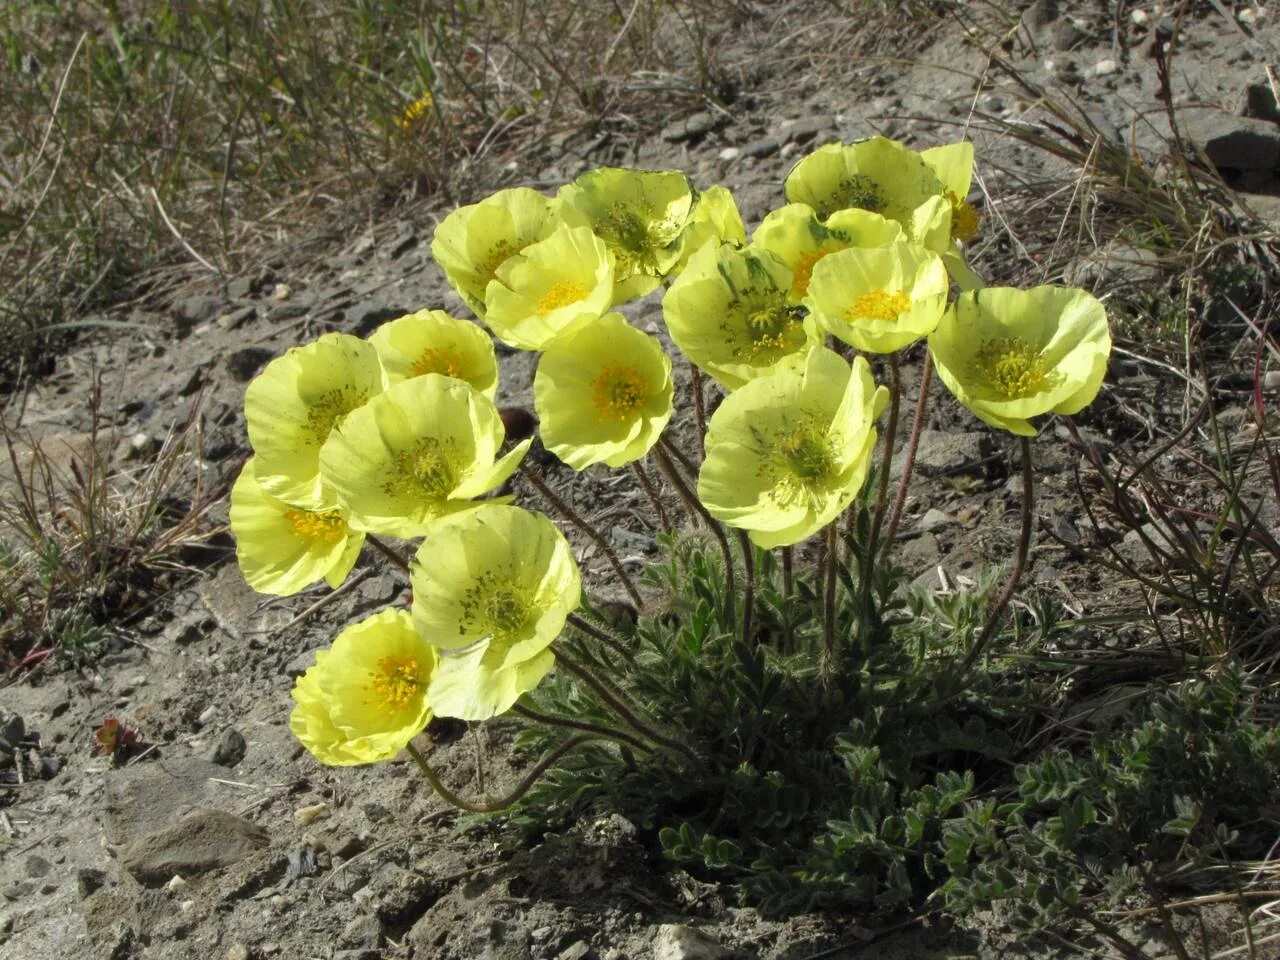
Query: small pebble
x,y
1104,67
281,292
177,884
730,153
305,816
207,714
237,951
1139,17
187,906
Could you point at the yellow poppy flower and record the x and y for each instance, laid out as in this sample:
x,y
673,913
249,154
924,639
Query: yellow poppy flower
x,y
729,312
880,299
715,217
640,215
282,549
799,239
291,407
789,451
473,241
603,394
549,288
431,341
1009,355
876,174
366,696
492,588
425,448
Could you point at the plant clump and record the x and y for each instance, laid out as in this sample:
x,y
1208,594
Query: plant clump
x,y
783,712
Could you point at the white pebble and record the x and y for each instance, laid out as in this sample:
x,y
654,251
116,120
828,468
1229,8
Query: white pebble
x,y
730,153
1104,67
176,884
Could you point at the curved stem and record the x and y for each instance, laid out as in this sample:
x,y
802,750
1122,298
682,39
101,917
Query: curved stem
x,y
569,514
913,445
699,403
514,796
1019,560
749,590
693,503
652,492
614,700
554,720
690,471
387,552
591,630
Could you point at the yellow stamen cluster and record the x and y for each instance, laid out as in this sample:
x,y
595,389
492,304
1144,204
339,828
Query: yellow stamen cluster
x,y
857,190
964,219
617,392
327,410
327,527
560,294
878,305
430,468
496,606
1012,367
396,683
804,272
438,360
771,327
798,462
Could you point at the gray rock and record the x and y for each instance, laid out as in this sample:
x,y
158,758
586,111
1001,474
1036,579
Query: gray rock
x,y
942,453
675,941
578,950
244,364
1066,34
934,519
229,750
693,127
363,931
1234,143
190,312
764,147
1116,265
807,128
201,841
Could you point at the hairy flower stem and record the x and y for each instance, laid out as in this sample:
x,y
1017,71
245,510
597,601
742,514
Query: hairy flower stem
x,y
787,584
554,720
660,454
868,616
514,796
699,404
686,464
614,699
591,630
909,455
652,493
1019,560
827,661
749,590
387,552
569,514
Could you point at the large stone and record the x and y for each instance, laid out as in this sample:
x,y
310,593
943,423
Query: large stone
x,y
201,841
1234,143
